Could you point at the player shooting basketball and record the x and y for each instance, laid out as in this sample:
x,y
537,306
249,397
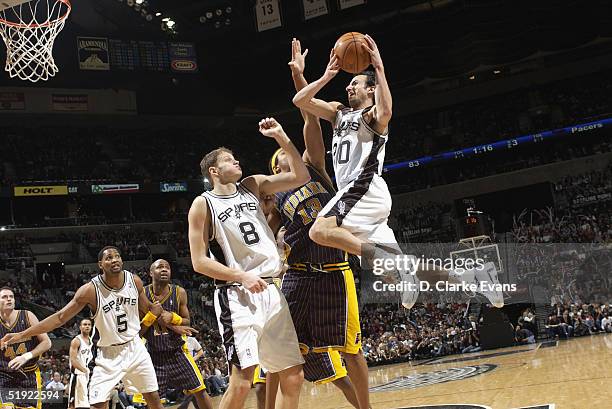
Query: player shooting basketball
x,y
357,217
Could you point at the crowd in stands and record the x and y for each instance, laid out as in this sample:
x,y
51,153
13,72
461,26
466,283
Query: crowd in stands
x,y
174,154
418,178
422,222
15,251
392,334
567,320
520,112
578,269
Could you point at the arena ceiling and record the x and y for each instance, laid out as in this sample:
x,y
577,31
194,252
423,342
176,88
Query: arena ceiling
x,y
419,40
429,38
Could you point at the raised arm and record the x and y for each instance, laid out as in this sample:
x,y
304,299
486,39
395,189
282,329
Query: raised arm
x,y
305,98
298,175
383,103
199,232
297,64
84,296
314,153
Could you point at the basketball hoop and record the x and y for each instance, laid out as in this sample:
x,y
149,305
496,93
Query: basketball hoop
x,y
29,28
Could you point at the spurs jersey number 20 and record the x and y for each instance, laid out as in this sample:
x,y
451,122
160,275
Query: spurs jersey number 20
x,y
240,228
356,148
116,320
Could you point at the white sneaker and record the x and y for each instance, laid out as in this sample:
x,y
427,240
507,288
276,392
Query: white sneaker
x,y
391,276
409,297
492,287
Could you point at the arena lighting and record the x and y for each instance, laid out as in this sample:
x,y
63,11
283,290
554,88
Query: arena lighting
x,y
218,12
202,19
130,3
139,1
158,14
472,77
496,71
2,228
209,15
228,9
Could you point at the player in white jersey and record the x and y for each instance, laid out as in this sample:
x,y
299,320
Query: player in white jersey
x,y
358,215
116,296
253,317
81,355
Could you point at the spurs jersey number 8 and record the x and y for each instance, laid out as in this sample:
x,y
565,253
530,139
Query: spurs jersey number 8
x,y
116,320
356,148
241,230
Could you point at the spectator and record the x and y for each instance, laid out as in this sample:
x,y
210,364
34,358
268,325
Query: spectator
x,y
524,336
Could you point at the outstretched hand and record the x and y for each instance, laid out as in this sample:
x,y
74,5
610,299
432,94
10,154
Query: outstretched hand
x,y
298,59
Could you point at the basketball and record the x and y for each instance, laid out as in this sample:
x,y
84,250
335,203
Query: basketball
x,y
353,58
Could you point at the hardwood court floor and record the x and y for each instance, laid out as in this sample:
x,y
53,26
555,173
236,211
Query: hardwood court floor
x,y
575,374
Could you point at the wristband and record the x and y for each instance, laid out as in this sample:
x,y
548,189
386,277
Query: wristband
x,y
28,356
149,319
176,319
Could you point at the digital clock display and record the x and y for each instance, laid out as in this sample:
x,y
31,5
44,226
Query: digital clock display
x,y
505,144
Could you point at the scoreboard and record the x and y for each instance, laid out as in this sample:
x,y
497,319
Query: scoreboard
x,y
505,144
133,55
124,55
154,56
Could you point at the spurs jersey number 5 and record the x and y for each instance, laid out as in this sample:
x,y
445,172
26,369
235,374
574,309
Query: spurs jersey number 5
x,y
240,228
116,320
356,148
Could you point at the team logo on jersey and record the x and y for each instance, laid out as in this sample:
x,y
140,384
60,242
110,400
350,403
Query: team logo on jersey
x,y
237,210
120,301
347,126
432,378
341,207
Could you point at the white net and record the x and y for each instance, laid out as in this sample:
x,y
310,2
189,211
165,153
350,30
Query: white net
x,y
29,31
